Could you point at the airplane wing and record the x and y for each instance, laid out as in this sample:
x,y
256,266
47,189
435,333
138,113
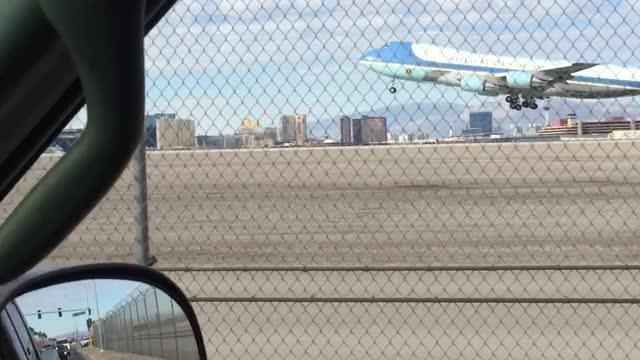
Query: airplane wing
x,y
552,75
562,73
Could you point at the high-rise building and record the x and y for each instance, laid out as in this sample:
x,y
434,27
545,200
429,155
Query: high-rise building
x,y
345,130
150,120
231,142
271,133
288,128
301,129
356,131
250,124
210,141
481,120
293,129
175,134
374,129
249,127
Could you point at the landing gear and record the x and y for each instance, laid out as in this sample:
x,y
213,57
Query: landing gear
x,y
392,86
514,102
530,103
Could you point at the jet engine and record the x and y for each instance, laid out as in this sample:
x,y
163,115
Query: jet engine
x,y
523,80
479,85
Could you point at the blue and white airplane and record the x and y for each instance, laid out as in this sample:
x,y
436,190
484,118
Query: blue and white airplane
x,y
522,80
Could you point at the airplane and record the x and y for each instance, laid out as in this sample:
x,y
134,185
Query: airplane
x,y
521,80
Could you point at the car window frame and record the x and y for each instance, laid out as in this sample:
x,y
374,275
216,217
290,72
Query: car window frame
x,y
19,258
17,330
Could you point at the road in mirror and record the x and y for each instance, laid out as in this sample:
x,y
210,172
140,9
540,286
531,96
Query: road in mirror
x,y
96,319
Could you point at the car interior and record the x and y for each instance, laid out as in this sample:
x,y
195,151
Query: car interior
x,y
85,52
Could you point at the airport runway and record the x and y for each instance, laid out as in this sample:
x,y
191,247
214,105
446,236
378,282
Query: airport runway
x,y
524,203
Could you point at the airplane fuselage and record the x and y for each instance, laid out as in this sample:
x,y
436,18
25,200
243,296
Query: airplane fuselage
x,y
493,75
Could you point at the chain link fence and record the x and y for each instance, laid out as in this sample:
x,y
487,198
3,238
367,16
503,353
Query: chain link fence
x,y
147,322
412,312
309,212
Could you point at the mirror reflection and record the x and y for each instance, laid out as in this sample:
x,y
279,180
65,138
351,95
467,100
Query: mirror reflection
x,y
102,319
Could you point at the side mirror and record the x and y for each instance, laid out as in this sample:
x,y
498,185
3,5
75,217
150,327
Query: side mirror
x,y
102,311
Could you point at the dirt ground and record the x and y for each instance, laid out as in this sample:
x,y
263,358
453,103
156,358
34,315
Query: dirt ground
x,y
489,204
542,203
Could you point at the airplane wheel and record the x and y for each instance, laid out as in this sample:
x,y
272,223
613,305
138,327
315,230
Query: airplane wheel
x,y
509,99
518,107
512,105
533,106
393,90
525,104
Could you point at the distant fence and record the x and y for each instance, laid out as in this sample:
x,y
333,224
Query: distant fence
x,y
147,322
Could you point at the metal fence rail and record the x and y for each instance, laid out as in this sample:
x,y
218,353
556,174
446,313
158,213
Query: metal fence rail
x,y
406,283
532,312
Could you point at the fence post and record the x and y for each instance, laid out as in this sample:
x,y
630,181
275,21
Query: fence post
x,y
139,168
148,322
140,335
120,326
102,328
125,327
175,329
161,334
133,324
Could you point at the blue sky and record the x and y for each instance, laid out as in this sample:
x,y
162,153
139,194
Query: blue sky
x,y
72,296
218,62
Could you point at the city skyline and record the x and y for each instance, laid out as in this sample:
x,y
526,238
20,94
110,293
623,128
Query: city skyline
x,y
220,62
252,135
